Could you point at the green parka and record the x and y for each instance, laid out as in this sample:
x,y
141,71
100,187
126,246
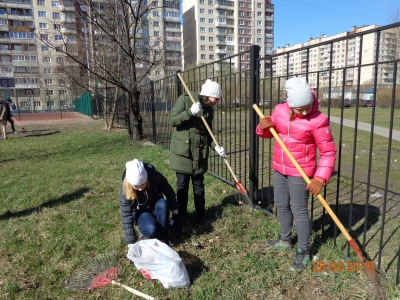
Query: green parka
x,y
190,141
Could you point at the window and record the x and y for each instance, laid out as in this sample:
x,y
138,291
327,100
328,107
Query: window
x,y
259,14
56,15
156,24
57,26
259,31
210,29
249,13
211,39
47,70
202,20
156,33
202,38
210,2
46,59
44,37
3,22
202,10
210,11
248,31
241,4
55,4
248,23
62,93
201,1
37,103
62,102
259,40
49,92
203,56
48,81
241,22
211,56
42,14
211,48
60,60
43,25
155,13
241,40
41,2
259,5
202,48
241,13
259,22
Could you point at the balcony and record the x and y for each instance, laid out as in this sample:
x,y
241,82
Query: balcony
x,y
66,8
269,35
172,38
220,51
223,5
269,18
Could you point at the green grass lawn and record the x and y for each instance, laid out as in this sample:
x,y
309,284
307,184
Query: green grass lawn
x,y
59,208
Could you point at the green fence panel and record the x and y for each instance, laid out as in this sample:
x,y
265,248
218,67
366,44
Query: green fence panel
x,y
83,104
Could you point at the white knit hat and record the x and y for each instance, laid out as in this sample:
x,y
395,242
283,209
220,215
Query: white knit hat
x,y
211,89
136,174
298,92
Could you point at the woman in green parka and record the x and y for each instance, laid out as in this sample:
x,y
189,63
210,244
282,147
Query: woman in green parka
x,y
190,144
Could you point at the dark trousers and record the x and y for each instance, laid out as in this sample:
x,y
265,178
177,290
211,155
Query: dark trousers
x,y
182,190
9,119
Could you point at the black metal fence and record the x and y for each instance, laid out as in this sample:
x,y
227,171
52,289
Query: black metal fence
x,y
365,191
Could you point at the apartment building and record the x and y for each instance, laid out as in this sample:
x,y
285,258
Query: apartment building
x,y
336,60
32,71
215,29
167,35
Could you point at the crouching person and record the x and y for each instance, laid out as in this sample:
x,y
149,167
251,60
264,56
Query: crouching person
x,y
142,202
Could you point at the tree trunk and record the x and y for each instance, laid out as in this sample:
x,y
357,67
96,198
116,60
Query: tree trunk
x,y
136,120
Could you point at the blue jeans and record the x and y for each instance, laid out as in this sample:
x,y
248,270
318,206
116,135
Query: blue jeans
x,y
292,190
154,224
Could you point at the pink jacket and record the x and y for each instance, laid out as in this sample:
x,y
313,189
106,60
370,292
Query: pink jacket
x,y
302,137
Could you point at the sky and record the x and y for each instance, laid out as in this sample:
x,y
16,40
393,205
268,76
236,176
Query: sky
x,y
295,21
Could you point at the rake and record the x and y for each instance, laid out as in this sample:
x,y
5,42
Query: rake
x,y
243,193
22,128
98,272
371,272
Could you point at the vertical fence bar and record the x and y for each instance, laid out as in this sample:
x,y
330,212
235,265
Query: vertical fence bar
x,y
254,96
153,112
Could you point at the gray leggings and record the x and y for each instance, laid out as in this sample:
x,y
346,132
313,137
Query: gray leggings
x,y
292,189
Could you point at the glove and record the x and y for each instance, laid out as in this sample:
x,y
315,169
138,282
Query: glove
x,y
265,123
196,109
176,223
221,151
315,186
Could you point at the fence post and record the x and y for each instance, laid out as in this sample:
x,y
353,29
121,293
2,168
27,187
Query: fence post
x,y
153,112
178,86
254,96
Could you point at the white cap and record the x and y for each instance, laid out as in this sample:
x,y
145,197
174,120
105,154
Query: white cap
x,y
136,174
211,89
299,93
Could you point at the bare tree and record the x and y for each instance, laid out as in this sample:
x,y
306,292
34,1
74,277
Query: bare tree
x,y
114,50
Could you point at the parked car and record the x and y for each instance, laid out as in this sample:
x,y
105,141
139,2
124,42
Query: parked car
x,y
347,103
366,103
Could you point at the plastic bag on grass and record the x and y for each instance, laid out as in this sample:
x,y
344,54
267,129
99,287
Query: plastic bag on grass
x,y
155,260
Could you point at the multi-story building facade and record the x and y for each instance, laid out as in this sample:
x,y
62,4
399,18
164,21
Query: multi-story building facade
x,y
215,29
32,70
341,56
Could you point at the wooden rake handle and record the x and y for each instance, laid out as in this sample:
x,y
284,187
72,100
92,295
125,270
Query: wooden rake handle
x,y
304,175
208,127
133,291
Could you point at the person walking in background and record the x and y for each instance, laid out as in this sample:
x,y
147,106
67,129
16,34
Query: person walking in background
x,y
14,108
190,144
3,118
9,116
142,202
304,130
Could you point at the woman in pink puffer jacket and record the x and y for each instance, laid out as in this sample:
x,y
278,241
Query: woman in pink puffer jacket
x,y
303,129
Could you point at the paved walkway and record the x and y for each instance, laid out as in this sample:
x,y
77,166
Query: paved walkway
x,y
367,127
